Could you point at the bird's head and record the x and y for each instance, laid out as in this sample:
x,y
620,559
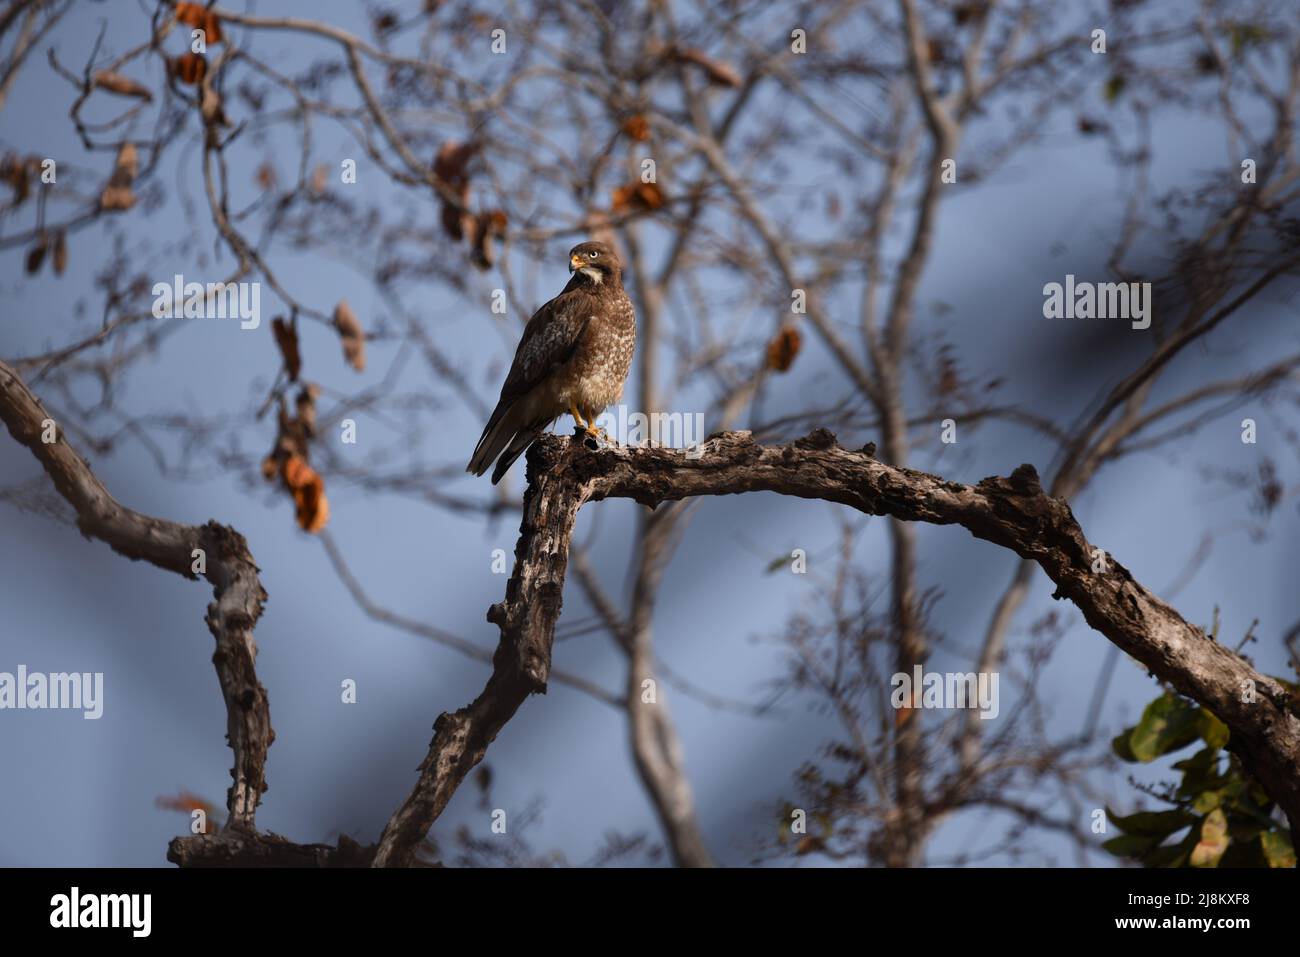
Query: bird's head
x,y
595,261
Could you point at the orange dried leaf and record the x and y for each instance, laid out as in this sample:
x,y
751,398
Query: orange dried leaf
x,y
650,195
310,505
185,801
351,335
638,196
297,473
286,337
212,27
121,85
783,348
191,14
190,67
188,803
637,128
313,509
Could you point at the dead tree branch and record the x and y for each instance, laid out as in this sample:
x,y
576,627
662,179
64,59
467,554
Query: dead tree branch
x,y
220,553
1012,512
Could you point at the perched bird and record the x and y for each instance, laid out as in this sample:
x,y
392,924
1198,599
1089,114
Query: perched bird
x,y
574,357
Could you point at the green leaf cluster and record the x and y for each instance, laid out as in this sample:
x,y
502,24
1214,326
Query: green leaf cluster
x,y
1219,815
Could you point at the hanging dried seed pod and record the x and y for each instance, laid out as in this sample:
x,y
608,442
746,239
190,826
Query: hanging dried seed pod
x,y
117,194
37,255
190,67
60,258
351,335
121,85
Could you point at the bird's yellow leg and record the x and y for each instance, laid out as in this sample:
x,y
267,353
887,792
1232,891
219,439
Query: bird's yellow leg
x,y
578,417
592,416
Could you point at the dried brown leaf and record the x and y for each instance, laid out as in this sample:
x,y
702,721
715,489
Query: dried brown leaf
x,y
191,14
484,229
60,258
311,507
307,409
121,85
190,67
638,196
783,348
117,194
212,27
637,128
451,165
15,171
286,337
36,256
351,335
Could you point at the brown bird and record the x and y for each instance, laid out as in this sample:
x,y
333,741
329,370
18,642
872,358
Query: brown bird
x,y
574,357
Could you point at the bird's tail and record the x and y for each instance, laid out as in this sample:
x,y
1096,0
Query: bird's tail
x,y
507,432
503,424
518,445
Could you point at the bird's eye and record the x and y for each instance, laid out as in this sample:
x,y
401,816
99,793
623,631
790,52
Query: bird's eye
x,y
592,254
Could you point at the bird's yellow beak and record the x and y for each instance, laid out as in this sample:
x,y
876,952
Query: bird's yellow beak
x,y
575,263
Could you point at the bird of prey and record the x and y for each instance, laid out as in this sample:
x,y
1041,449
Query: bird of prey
x,y
574,357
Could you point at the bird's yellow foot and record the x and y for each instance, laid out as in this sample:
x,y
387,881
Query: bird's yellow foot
x,y
595,431
586,425
580,419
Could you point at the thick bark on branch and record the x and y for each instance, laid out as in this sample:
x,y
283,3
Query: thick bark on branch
x,y
243,849
520,667
237,591
1012,512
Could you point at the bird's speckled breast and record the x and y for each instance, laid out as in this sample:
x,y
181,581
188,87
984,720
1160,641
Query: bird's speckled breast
x,y
594,377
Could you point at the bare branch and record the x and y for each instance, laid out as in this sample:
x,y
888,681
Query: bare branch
x,y
237,591
1012,512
